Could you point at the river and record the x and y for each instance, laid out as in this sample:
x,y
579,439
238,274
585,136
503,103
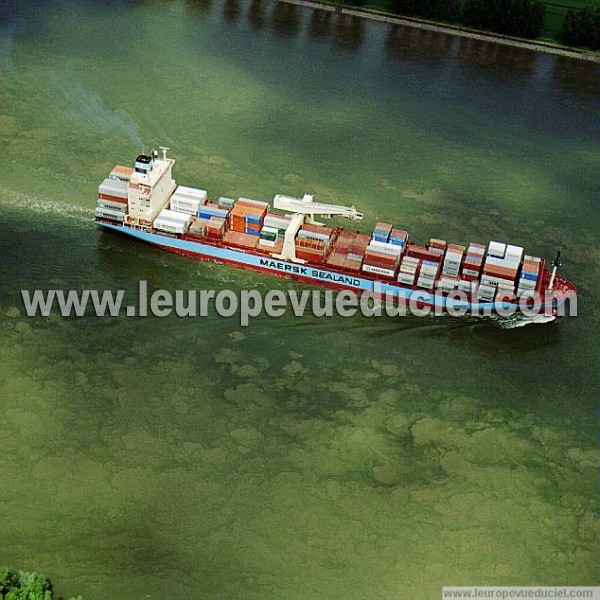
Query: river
x,y
296,458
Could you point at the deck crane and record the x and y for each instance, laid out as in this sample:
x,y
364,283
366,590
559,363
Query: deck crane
x,y
304,210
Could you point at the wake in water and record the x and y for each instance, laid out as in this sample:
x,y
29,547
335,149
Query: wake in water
x,y
521,321
44,206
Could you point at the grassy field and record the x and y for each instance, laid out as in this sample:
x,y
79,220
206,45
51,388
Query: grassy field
x,y
555,11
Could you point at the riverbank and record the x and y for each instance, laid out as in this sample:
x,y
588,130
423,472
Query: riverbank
x,y
450,29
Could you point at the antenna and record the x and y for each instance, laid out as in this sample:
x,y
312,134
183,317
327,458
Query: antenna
x,y
164,151
555,264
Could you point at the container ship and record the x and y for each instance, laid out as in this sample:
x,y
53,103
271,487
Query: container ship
x,y
144,202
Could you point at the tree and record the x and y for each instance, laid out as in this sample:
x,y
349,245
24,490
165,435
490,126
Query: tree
x,y
25,586
581,27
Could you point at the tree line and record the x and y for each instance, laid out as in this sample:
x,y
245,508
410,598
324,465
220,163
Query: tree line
x,y
519,18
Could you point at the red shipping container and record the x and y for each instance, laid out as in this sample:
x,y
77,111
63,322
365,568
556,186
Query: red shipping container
x,y
501,272
112,198
422,253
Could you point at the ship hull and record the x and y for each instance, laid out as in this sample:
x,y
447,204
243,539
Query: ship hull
x,y
319,276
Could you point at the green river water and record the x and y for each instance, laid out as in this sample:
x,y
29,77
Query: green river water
x,y
298,458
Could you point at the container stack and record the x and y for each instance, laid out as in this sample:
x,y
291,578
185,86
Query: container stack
x,y
422,253
398,237
382,232
453,260
382,258
215,228
473,262
225,203
198,227
247,216
343,244
486,293
112,200
208,211
356,252
312,242
268,236
171,221
188,200
428,274
310,249
447,284
451,267
437,246
348,250
408,270
530,273
501,266
278,222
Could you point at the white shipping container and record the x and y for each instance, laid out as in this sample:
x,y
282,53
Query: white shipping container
x,y
526,284
451,267
188,210
202,194
385,247
272,230
169,226
514,251
264,242
533,258
470,272
498,284
497,249
112,205
510,262
378,270
406,279
276,221
409,268
166,214
113,187
494,279
186,196
109,213
465,286
475,250
486,292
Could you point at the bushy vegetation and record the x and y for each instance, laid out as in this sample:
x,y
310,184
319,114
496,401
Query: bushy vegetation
x,y
25,586
581,27
572,22
521,18
443,10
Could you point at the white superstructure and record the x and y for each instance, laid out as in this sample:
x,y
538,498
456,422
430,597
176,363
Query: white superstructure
x,y
150,188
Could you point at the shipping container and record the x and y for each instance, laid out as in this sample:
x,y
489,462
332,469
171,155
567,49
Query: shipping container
x,y
226,203
113,187
378,270
121,173
118,206
109,214
190,191
496,249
